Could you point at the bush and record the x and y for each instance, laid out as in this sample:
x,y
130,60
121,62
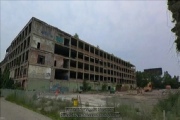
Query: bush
x,y
86,86
104,87
171,106
118,87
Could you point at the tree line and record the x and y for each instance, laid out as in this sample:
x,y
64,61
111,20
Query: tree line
x,y
158,81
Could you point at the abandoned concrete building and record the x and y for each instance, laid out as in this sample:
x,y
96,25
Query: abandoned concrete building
x,y
42,56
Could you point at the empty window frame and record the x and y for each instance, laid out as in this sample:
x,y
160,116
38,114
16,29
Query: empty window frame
x,y
28,42
27,55
29,27
55,63
41,59
38,45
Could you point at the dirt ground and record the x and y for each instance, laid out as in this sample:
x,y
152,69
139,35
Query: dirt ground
x,y
99,98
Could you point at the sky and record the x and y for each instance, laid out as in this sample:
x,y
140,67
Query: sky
x,y
136,31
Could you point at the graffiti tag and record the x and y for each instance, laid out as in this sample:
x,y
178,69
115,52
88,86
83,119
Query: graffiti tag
x,y
48,34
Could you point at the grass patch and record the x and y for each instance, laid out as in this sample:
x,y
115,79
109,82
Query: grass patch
x,y
29,103
52,107
171,106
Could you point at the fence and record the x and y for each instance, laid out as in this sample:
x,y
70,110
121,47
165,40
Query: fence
x,y
20,93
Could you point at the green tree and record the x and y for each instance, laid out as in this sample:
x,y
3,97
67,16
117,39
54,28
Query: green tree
x,y
157,82
168,80
76,36
144,78
6,82
175,82
141,79
104,87
86,86
174,7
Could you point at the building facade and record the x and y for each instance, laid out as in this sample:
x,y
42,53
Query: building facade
x,y
42,57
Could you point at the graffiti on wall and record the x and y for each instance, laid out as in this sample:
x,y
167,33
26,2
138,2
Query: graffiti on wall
x,y
46,33
57,86
59,39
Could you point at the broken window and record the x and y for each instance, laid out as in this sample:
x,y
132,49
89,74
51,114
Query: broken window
x,y
73,74
87,47
101,78
29,27
80,55
86,76
66,42
86,67
80,75
91,67
23,59
73,54
21,71
41,59
96,77
60,50
26,31
24,71
91,77
38,45
21,47
66,63
22,35
28,41
25,44
55,63
27,55
15,72
86,58
105,79
73,63
73,42
61,74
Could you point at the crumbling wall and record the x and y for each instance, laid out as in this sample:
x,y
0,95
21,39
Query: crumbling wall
x,y
47,31
59,60
12,71
39,72
34,57
44,44
43,29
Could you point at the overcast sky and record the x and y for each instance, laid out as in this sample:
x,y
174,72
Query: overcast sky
x,y
136,31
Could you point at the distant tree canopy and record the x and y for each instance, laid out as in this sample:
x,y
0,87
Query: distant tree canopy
x,y
174,7
158,81
76,36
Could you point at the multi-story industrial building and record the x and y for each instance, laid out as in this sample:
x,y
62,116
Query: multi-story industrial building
x,y
42,56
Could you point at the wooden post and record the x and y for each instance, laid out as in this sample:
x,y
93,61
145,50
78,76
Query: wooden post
x,y
164,115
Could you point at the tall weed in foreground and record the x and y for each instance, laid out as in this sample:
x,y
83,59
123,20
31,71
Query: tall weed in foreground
x,y
171,106
128,111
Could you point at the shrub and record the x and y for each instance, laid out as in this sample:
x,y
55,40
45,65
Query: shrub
x,y
118,87
104,87
171,106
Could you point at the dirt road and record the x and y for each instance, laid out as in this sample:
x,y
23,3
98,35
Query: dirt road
x,y
11,111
